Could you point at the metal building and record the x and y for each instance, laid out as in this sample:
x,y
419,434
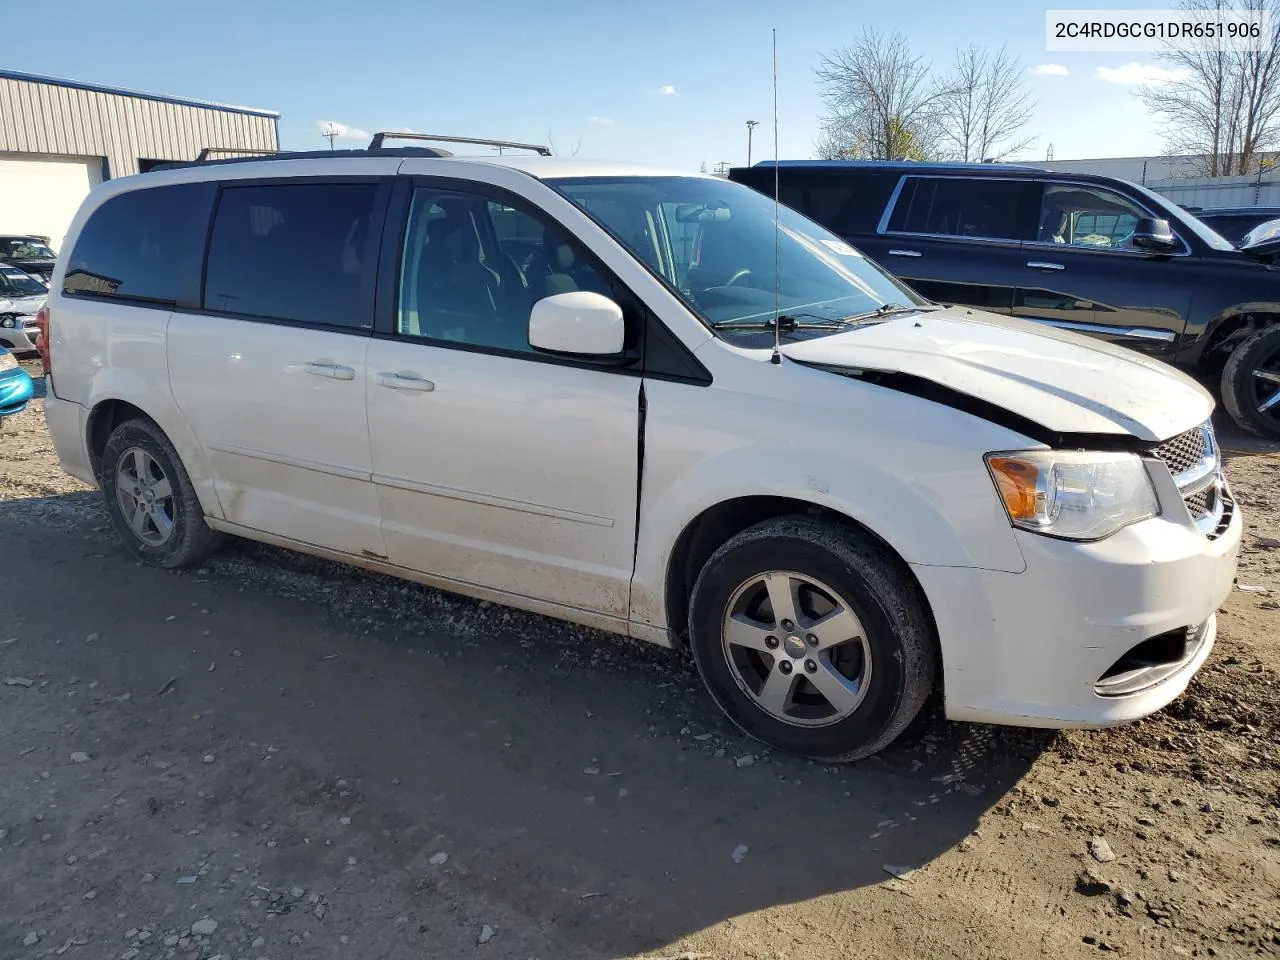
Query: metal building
x,y
60,137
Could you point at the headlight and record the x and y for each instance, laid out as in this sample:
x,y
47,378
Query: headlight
x,y
1073,495
7,360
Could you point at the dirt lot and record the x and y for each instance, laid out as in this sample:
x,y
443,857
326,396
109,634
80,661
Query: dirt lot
x,y
277,757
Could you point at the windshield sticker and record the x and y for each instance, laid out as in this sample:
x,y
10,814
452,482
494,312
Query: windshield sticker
x,y
840,247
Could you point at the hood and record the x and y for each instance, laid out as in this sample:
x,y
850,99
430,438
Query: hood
x,y
24,306
1260,243
1065,382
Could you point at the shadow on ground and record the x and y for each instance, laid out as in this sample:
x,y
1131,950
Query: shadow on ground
x,y
583,785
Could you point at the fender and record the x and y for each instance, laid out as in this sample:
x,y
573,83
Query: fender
x,y
931,501
122,383
1221,322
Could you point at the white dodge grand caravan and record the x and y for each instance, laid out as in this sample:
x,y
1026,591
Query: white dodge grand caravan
x,y
553,384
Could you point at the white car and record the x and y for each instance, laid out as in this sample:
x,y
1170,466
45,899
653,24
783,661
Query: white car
x,y
553,384
21,297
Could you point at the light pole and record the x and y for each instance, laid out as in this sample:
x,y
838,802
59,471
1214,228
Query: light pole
x,y
751,126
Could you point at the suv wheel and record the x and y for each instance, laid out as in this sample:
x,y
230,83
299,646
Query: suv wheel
x,y
812,638
150,498
1251,383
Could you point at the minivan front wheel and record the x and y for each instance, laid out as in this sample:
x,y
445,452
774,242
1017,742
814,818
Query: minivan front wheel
x,y
1251,383
151,500
812,638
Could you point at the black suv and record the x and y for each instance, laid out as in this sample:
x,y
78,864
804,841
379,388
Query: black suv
x,y
1234,223
1087,253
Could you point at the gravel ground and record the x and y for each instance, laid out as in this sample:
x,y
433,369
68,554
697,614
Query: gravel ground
x,y
274,756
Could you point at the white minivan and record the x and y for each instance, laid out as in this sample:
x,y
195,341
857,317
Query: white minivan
x,y
652,403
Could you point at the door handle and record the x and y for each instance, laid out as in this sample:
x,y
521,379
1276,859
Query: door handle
x,y
334,371
1044,265
905,253
405,381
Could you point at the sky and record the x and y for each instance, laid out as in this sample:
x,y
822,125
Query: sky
x,y
669,82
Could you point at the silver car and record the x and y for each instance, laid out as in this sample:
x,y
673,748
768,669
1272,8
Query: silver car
x,y
21,297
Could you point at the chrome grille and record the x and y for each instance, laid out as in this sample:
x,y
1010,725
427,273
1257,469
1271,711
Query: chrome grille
x,y
1192,459
1183,451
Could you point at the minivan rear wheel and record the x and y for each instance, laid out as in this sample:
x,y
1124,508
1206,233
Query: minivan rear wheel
x,y
151,500
813,638
1251,383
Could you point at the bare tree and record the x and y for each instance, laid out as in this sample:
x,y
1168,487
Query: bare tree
x,y
573,151
984,106
880,100
1222,106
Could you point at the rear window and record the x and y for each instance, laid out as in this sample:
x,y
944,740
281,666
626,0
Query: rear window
x,y
846,202
298,252
143,246
959,207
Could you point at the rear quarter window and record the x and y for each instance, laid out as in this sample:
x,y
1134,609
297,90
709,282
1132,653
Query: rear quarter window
x,y
143,246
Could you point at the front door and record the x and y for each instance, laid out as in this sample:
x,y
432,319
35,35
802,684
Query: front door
x,y
496,465
270,373
1082,273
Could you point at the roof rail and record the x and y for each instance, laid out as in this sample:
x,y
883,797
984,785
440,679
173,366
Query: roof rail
x,y
378,138
208,152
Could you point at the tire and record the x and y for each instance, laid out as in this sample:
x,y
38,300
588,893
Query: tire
x,y
879,667
1251,379
140,466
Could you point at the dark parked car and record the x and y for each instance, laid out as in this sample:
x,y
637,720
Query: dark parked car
x,y
28,253
1088,253
1233,223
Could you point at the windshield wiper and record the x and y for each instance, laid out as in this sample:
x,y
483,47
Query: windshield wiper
x,y
792,321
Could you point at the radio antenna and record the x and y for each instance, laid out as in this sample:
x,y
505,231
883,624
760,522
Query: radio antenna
x,y
777,257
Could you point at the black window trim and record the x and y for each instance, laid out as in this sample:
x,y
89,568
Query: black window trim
x,y
181,303
388,289
1044,182
882,229
368,283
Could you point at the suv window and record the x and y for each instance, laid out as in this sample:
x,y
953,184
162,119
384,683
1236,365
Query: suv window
x,y
959,207
143,246
294,251
473,268
1086,216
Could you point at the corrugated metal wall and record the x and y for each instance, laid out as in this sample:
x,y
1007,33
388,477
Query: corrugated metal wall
x,y
52,118
1213,192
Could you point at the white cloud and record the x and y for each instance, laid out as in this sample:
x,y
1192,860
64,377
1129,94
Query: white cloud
x,y
603,121
1050,70
1133,74
666,90
341,130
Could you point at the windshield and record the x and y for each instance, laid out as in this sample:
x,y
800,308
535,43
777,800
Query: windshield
x,y
15,283
713,242
23,248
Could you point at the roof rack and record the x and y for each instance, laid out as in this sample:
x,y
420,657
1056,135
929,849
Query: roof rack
x,y
378,138
208,152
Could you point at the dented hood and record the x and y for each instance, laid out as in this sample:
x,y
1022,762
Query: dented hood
x,y
1063,381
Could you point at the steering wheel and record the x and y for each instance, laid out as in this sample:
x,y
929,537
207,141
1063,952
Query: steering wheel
x,y
738,275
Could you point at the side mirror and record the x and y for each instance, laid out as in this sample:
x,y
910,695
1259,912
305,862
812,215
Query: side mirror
x,y
579,323
1154,236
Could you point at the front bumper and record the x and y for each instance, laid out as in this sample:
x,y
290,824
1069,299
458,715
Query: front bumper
x,y
1047,647
20,338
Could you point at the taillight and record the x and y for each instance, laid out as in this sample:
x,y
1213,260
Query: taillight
x,y
42,339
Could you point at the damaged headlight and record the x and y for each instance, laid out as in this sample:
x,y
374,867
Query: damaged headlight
x,y
1073,495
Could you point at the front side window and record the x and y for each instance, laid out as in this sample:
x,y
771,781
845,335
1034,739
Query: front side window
x,y
1084,216
976,207
297,252
716,245
142,246
473,267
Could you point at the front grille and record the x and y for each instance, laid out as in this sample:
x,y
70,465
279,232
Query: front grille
x,y
1192,459
1183,451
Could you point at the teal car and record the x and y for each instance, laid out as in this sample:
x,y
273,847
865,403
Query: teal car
x,y
16,387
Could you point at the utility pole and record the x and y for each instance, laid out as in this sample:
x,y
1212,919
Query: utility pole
x,y
330,134
751,126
